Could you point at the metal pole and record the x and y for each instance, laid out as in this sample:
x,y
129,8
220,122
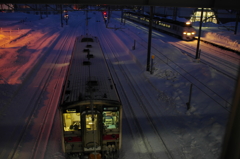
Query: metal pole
x,y
108,15
134,42
199,35
87,22
46,10
122,15
190,98
41,14
149,38
61,17
175,13
236,25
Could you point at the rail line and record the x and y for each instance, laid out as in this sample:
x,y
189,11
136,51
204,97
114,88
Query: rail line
x,y
145,105
221,65
38,95
213,58
186,75
17,134
44,122
48,119
140,124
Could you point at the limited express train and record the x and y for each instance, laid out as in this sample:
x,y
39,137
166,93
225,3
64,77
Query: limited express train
x,y
183,30
91,111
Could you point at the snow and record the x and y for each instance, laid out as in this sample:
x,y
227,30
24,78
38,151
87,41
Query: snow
x,y
222,34
30,49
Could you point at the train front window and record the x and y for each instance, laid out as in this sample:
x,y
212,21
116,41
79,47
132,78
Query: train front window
x,y
111,119
71,121
91,122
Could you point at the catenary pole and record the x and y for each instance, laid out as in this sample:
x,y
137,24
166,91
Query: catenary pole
x,y
236,25
199,35
149,38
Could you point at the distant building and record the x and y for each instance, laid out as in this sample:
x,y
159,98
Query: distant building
x,y
194,14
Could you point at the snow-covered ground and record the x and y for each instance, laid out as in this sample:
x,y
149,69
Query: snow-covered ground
x,y
27,43
222,34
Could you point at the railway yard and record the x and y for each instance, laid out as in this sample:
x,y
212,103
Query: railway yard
x,y
157,123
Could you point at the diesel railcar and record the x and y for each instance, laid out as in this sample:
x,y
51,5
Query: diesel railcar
x,y
183,30
90,109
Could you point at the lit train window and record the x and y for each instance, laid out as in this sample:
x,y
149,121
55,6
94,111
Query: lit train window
x,y
90,123
71,121
111,119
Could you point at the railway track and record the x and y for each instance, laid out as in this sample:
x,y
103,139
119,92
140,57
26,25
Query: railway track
x,y
181,128
136,124
218,63
42,136
39,112
182,72
133,114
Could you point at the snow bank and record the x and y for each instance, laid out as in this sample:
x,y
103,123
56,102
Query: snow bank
x,y
221,34
222,40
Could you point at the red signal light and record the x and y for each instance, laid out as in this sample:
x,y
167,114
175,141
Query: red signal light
x,y
104,13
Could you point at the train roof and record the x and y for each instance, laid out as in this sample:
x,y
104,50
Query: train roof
x,y
162,19
173,22
88,75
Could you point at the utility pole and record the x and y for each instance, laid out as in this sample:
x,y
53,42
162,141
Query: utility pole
x,y
122,15
236,25
86,30
61,17
175,10
149,38
108,15
46,10
199,35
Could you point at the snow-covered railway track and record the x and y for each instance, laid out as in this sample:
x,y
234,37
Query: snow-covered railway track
x,y
44,123
231,56
186,75
214,60
225,62
42,95
139,119
37,48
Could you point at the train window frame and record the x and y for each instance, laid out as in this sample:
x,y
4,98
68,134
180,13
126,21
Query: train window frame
x,y
71,121
111,119
91,125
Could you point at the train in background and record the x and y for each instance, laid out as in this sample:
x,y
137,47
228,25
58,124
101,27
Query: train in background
x,y
90,107
183,30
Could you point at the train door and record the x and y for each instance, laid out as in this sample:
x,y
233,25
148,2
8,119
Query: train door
x,y
91,130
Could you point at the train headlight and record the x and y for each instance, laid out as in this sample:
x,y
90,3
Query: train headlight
x,y
193,33
184,33
188,23
188,33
